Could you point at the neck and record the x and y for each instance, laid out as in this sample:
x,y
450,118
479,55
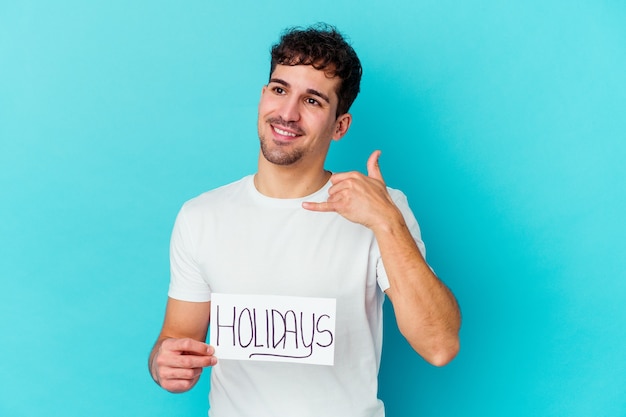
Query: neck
x,y
288,181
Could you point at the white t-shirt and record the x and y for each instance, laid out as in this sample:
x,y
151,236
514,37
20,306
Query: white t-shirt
x,y
235,240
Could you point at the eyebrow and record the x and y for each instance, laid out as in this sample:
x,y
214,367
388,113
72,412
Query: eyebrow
x,y
308,90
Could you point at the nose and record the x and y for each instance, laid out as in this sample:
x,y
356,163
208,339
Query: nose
x,y
290,109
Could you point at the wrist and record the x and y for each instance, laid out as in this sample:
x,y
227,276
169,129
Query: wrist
x,y
389,223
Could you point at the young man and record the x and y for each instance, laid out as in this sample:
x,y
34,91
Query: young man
x,y
295,229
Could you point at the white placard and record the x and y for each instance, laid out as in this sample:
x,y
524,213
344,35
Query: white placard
x,y
273,328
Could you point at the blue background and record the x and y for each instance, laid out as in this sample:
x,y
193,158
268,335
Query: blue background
x,y
503,121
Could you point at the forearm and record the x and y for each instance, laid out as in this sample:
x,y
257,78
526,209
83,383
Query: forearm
x,y
426,311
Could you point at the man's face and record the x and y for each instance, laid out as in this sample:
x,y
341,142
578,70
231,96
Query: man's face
x,y
297,115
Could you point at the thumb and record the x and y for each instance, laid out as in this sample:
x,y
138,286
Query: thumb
x,y
373,169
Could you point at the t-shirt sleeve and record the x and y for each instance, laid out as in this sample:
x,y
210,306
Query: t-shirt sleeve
x,y
186,279
401,201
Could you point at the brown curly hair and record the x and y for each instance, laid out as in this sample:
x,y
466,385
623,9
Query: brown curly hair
x,y
323,47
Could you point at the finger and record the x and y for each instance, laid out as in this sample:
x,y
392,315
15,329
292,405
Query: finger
x,y
373,168
343,176
192,361
176,359
179,385
189,347
322,207
179,379
181,373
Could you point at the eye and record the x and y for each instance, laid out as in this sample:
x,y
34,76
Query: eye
x,y
278,90
313,101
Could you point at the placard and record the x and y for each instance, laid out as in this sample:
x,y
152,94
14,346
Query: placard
x,y
273,328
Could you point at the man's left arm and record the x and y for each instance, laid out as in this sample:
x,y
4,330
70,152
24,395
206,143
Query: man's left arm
x,y
426,311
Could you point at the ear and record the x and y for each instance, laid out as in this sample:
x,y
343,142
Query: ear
x,y
342,124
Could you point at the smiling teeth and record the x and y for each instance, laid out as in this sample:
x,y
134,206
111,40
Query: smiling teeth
x,y
284,132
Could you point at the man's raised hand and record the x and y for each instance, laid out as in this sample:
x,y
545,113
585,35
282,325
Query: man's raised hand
x,y
359,198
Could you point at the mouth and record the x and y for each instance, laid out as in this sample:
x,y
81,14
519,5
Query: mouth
x,y
284,134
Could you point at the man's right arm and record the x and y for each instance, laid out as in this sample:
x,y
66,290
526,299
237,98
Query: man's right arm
x,y
180,353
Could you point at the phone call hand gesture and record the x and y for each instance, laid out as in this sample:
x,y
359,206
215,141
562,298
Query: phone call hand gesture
x,y
359,198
